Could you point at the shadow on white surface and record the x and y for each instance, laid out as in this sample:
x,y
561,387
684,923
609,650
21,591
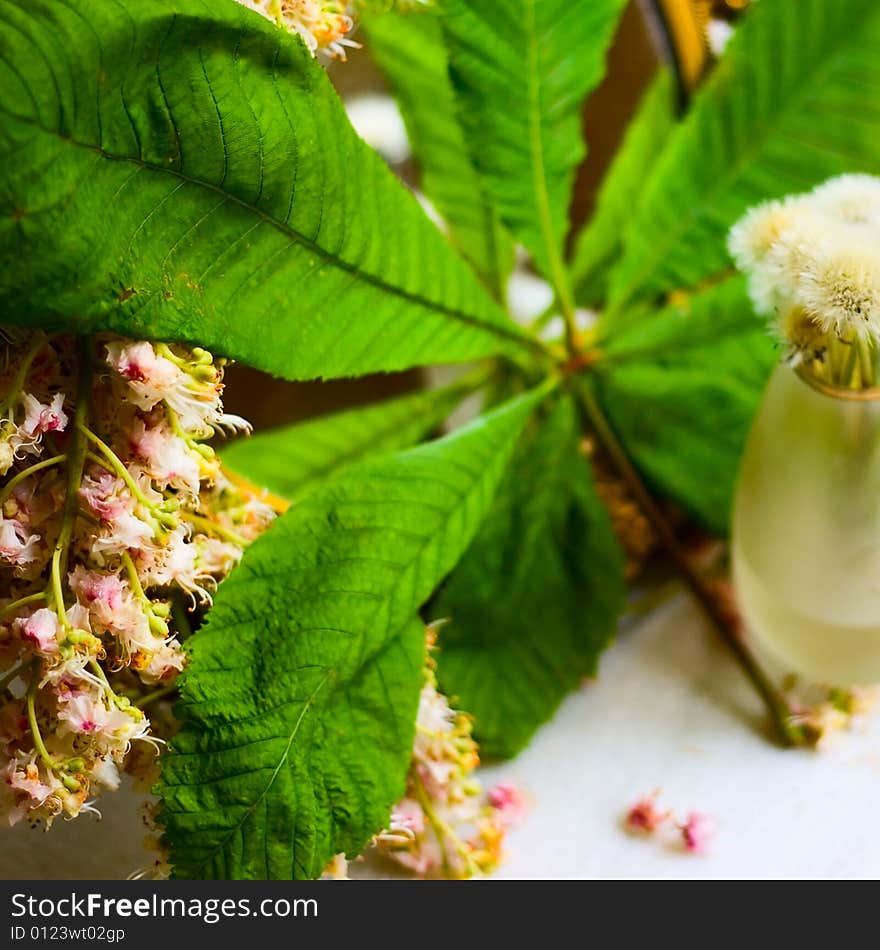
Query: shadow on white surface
x,y
669,711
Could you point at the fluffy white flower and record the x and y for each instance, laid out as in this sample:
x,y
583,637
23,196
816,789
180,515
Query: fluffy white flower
x,y
190,389
852,198
816,256
105,772
753,237
39,418
839,287
125,533
216,557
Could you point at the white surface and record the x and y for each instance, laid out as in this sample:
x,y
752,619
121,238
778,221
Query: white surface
x,y
377,120
669,711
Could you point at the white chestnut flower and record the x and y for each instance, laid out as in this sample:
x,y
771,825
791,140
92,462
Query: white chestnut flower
x,y
322,24
106,528
447,825
17,546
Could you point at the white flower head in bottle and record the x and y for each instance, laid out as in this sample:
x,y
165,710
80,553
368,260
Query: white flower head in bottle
x,y
813,265
806,534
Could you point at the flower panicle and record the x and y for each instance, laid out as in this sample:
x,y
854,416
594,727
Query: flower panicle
x,y
113,509
447,824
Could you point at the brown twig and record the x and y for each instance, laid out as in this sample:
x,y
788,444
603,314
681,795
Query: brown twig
x,y
787,730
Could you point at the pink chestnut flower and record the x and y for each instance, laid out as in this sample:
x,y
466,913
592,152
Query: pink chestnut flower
x,y
167,659
40,418
167,456
103,594
696,832
406,824
509,803
23,779
105,495
149,375
644,817
40,629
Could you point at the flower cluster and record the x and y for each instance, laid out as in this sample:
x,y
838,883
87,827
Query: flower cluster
x,y
322,24
115,520
447,825
693,833
813,263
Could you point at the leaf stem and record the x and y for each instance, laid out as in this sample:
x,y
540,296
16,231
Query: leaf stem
x,y
788,732
545,316
558,271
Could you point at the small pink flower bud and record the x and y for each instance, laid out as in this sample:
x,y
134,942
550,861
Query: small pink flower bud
x,y
509,802
697,832
644,817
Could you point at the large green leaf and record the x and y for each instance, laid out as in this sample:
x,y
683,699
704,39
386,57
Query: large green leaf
x,y
410,50
521,69
292,460
680,389
299,701
795,99
536,598
600,242
181,169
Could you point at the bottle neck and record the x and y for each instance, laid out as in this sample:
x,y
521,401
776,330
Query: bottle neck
x,y
848,368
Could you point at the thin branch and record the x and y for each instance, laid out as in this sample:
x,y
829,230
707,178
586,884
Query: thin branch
x,y
788,732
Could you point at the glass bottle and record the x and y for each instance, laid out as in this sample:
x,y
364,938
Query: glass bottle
x,y
806,529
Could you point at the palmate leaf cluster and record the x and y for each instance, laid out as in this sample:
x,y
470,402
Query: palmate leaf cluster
x,y
182,170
